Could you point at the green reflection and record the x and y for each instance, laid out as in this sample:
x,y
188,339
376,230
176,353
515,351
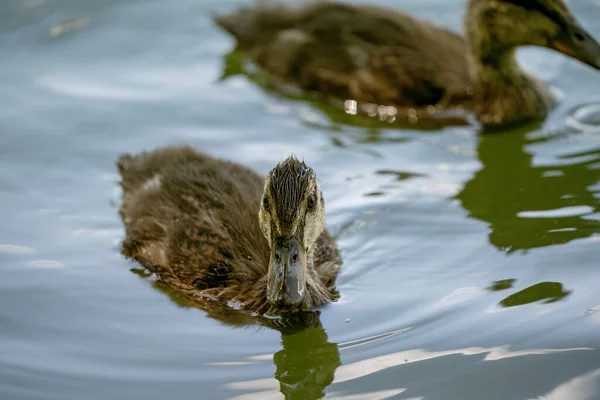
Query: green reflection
x,y
502,284
234,63
548,291
400,175
305,365
509,185
374,194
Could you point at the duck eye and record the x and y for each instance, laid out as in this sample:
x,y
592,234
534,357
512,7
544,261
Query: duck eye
x,y
310,205
265,203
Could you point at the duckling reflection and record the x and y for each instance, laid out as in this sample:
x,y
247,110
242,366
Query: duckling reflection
x,y
389,64
305,365
509,192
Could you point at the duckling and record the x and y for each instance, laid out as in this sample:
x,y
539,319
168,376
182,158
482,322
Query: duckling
x,y
377,56
214,229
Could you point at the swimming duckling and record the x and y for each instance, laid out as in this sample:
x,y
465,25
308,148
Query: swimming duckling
x,y
212,228
377,56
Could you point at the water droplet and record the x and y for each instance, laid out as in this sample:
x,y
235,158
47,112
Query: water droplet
x,y
371,109
351,107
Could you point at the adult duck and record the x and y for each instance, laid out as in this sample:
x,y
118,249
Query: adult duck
x,y
210,228
380,59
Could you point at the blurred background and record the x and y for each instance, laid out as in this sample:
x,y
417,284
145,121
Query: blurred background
x,y
470,261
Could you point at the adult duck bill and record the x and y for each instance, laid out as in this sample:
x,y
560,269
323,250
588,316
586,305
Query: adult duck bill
x,y
576,42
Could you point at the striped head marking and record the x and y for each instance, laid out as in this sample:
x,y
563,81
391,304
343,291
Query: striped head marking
x,y
292,217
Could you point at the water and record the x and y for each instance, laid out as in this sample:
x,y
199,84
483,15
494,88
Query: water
x,y
470,262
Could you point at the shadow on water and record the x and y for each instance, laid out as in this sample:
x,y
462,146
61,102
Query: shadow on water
x,y
529,206
306,364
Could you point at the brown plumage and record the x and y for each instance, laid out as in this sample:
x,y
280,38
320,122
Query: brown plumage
x,y
213,229
378,56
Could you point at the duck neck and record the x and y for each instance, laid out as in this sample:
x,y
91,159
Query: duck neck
x,y
505,92
498,66
493,52
310,260
316,292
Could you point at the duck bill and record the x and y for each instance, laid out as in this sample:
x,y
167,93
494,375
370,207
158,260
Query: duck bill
x,y
287,273
578,44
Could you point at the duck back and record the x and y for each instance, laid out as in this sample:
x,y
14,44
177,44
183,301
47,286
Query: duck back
x,y
192,218
365,53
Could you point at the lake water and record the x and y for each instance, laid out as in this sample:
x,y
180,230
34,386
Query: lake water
x,y
470,261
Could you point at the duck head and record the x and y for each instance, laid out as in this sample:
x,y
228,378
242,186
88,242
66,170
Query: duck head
x,y
292,217
497,26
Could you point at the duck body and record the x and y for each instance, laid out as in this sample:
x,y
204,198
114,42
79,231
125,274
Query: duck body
x,y
364,53
192,220
379,56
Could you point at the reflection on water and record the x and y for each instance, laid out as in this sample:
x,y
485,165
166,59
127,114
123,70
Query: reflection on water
x,y
306,364
419,316
528,205
343,112
548,291
502,284
304,367
363,368
583,387
400,175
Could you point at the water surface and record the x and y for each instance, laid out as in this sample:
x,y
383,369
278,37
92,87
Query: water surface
x,y
470,261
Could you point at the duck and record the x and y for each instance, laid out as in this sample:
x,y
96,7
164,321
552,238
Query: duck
x,y
214,230
378,60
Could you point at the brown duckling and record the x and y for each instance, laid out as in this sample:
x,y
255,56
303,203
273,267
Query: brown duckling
x,y
376,56
210,228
